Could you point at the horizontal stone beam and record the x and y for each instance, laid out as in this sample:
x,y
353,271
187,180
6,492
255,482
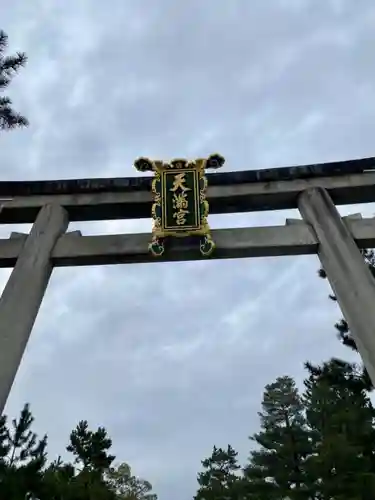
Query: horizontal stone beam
x,y
291,239
224,198
11,189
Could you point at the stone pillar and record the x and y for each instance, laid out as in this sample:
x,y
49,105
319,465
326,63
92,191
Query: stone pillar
x,y
23,294
346,271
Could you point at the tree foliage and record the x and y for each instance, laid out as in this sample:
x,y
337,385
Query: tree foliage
x,y
318,445
314,445
90,448
22,456
9,67
340,416
25,473
277,465
126,486
219,479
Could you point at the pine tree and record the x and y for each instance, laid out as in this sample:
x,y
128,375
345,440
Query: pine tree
x,y
126,486
4,444
91,454
25,476
58,481
22,457
220,480
340,416
9,66
276,470
91,448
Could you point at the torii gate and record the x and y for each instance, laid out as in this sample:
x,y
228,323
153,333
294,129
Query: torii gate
x,y
313,189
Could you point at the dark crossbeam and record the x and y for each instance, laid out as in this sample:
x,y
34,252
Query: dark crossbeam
x,y
232,192
230,198
130,184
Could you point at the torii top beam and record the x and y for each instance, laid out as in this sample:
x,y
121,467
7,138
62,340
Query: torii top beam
x,y
348,182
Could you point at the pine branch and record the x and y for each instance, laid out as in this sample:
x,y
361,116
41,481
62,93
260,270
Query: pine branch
x,y
5,101
3,41
9,119
322,273
9,66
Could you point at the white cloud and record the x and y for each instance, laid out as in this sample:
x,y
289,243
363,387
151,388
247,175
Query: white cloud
x,y
173,357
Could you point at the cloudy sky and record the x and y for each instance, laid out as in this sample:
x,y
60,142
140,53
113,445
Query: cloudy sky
x,y
173,358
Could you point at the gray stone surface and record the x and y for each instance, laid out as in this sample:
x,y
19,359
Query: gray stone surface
x,y
130,184
295,238
349,277
229,198
23,294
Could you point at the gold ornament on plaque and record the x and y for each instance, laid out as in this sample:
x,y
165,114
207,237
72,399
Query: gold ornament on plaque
x,y
180,207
